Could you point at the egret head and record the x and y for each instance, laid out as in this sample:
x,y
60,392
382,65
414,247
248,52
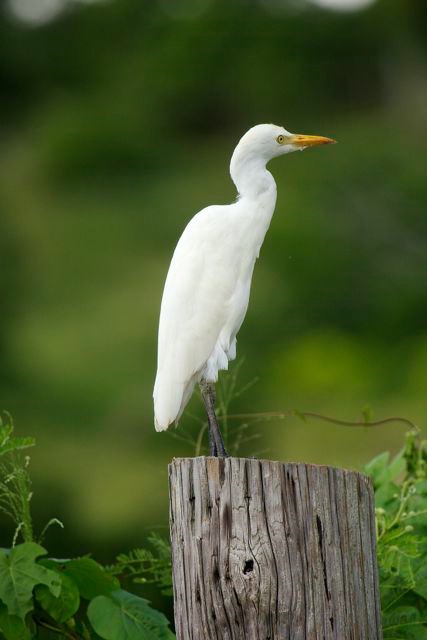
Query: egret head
x,y
269,141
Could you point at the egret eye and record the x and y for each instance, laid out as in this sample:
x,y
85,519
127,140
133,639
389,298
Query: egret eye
x,y
280,139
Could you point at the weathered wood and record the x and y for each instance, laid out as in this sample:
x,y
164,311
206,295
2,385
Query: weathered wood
x,y
270,551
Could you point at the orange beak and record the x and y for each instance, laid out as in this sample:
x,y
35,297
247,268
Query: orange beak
x,y
309,141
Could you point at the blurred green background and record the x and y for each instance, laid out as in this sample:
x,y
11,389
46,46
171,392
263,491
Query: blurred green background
x,y
117,122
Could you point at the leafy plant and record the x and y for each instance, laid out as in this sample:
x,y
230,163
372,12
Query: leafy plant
x,y
44,598
79,599
15,483
400,486
144,566
123,615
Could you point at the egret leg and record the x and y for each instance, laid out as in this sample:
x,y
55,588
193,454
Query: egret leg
x,y
213,451
216,442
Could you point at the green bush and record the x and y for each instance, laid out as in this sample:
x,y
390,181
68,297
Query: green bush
x,y
400,488
78,599
46,598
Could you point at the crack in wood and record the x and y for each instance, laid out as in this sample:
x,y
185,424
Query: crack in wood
x,y
322,555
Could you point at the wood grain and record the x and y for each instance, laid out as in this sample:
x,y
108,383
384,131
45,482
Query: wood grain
x,y
266,551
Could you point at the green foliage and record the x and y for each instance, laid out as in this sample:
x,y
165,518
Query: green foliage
x,y
79,599
401,516
90,578
9,443
13,627
42,598
63,606
144,566
20,573
15,483
124,615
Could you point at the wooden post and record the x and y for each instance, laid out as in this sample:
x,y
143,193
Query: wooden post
x,y
263,550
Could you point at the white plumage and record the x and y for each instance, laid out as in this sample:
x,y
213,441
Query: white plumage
x,y
208,284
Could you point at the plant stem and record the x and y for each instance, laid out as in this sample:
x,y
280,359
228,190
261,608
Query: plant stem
x,y
62,632
281,415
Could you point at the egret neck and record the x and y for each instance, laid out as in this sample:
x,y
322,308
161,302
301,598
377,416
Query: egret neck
x,y
256,189
250,175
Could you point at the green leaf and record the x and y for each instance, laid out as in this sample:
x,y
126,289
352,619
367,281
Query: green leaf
x,y
147,567
384,474
15,444
385,495
12,627
90,577
420,579
397,466
124,616
377,468
405,622
65,605
422,488
20,573
7,443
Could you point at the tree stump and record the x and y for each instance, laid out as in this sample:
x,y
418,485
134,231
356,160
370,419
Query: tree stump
x,y
263,550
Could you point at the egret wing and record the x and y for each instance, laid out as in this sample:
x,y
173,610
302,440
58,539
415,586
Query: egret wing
x,y
198,292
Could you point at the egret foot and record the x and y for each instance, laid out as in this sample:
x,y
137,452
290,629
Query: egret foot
x,y
216,443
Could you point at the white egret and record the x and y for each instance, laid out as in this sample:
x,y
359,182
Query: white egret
x,y
208,284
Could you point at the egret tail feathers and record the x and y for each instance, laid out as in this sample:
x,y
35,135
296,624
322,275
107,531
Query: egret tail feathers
x,y
170,400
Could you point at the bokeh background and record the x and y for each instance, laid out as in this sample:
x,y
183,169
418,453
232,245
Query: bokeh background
x,y
117,122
